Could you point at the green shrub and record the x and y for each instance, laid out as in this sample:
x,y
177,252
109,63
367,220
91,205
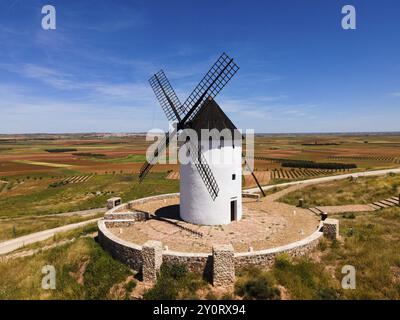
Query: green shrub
x,y
350,215
282,261
304,279
130,285
175,282
164,289
255,284
323,245
58,184
173,270
327,294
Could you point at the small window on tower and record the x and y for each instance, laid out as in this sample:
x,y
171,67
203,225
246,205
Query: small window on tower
x,y
234,177
187,146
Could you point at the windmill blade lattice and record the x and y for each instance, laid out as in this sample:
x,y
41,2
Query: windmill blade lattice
x,y
163,145
212,83
167,97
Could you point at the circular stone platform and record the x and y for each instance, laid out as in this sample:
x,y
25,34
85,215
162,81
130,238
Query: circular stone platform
x,y
265,224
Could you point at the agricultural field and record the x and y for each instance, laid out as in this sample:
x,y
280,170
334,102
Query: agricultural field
x,y
44,177
49,174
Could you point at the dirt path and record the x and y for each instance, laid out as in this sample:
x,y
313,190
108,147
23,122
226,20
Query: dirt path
x,y
82,213
11,245
31,252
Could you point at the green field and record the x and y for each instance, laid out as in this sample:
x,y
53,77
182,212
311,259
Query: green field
x,y
41,199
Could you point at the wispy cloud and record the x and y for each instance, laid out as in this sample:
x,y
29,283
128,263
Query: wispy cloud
x,y
24,110
268,108
67,82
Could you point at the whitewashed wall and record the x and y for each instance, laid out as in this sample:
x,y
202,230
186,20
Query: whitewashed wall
x,y
196,204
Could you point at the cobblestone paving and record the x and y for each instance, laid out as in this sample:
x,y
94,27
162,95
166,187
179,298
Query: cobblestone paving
x,y
265,224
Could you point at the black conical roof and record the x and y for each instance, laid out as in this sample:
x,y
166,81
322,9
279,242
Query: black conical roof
x,y
211,116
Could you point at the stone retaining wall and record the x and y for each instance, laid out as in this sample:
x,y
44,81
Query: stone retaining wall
x,y
131,253
119,249
267,257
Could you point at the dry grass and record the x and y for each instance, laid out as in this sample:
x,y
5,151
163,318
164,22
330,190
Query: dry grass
x,y
83,271
360,191
370,244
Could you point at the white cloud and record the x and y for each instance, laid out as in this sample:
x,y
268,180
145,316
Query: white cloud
x,y
23,111
101,90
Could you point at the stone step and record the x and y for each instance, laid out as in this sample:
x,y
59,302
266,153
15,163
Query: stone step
x,y
391,200
379,204
395,199
388,203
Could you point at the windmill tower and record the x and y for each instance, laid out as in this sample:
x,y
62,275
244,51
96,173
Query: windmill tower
x,y
210,191
224,157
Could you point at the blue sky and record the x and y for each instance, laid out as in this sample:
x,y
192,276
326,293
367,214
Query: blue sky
x,y
300,71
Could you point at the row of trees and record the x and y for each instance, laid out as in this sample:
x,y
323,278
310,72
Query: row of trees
x,y
61,150
318,165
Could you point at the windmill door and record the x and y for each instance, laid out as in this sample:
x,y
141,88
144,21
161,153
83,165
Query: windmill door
x,y
233,210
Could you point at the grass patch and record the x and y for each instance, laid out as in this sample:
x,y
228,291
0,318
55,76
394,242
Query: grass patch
x,y
301,279
255,284
83,271
175,282
371,246
304,279
132,158
347,191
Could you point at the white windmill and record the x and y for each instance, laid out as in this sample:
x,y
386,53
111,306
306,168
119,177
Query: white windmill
x,y
211,183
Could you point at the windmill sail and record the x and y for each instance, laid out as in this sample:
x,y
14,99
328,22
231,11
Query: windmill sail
x,y
166,96
163,145
212,83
